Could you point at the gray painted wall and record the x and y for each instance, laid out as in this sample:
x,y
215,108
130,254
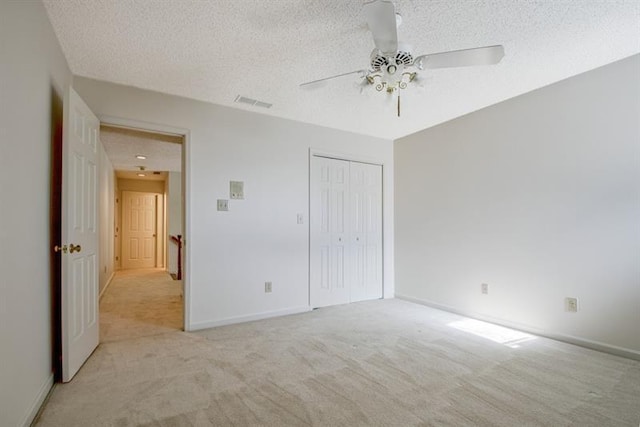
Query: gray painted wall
x,y
33,79
539,197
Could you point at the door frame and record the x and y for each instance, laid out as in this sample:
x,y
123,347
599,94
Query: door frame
x,y
337,155
186,195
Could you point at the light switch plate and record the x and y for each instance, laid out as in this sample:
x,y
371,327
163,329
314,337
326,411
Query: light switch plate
x,y
223,205
571,304
236,190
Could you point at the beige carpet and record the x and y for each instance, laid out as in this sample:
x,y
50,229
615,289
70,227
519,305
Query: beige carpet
x,y
140,303
378,363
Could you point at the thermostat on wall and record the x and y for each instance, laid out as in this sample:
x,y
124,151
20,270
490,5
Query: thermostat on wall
x,y
236,190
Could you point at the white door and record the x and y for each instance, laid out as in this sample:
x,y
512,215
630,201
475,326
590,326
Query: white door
x,y
79,234
138,229
329,222
346,232
366,231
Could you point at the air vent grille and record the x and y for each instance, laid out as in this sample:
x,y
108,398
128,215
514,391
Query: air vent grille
x,y
250,101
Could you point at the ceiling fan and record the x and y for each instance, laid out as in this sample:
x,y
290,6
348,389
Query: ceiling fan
x,y
393,66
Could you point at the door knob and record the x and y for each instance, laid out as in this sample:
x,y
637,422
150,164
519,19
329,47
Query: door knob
x,y
57,248
74,248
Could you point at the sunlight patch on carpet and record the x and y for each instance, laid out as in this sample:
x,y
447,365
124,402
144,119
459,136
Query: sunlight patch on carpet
x,y
495,333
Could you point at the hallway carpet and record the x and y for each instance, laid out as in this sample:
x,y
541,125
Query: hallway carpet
x,y
376,363
140,303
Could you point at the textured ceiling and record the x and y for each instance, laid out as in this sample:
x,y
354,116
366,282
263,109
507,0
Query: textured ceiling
x,y
263,49
163,152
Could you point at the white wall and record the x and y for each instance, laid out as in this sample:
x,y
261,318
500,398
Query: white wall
x,y
231,254
33,79
539,197
174,218
107,212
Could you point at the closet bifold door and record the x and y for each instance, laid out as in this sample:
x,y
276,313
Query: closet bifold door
x,y
346,231
365,230
329,214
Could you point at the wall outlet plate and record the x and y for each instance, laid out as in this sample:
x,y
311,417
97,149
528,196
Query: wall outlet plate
x,y
223,205
571,304
484,288
267,287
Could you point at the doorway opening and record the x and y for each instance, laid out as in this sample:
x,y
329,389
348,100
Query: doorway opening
x,y
144,294
85,223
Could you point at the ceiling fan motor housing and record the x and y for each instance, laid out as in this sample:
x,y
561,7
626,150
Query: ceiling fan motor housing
x,y
388,71
380,62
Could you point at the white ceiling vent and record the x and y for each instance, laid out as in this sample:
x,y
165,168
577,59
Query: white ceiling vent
x,y
244,100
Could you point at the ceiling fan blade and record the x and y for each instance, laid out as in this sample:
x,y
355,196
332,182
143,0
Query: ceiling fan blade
x,y
487,55
362,72
381,19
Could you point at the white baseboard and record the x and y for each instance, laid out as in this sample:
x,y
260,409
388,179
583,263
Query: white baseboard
x,y
582,342
107,285
248,318
37,403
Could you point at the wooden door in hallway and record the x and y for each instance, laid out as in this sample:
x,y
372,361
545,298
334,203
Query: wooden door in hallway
x,y
139,234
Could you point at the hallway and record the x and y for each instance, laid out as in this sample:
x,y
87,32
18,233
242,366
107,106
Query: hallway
x,y
140,303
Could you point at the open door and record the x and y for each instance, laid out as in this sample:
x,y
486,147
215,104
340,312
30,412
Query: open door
x,y
79,245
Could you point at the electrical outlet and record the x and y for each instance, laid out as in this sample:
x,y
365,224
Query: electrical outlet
x,y
267,287
571,304
223,205
300,219
484,288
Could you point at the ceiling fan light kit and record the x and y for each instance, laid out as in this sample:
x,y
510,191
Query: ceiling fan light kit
x,y
392,65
